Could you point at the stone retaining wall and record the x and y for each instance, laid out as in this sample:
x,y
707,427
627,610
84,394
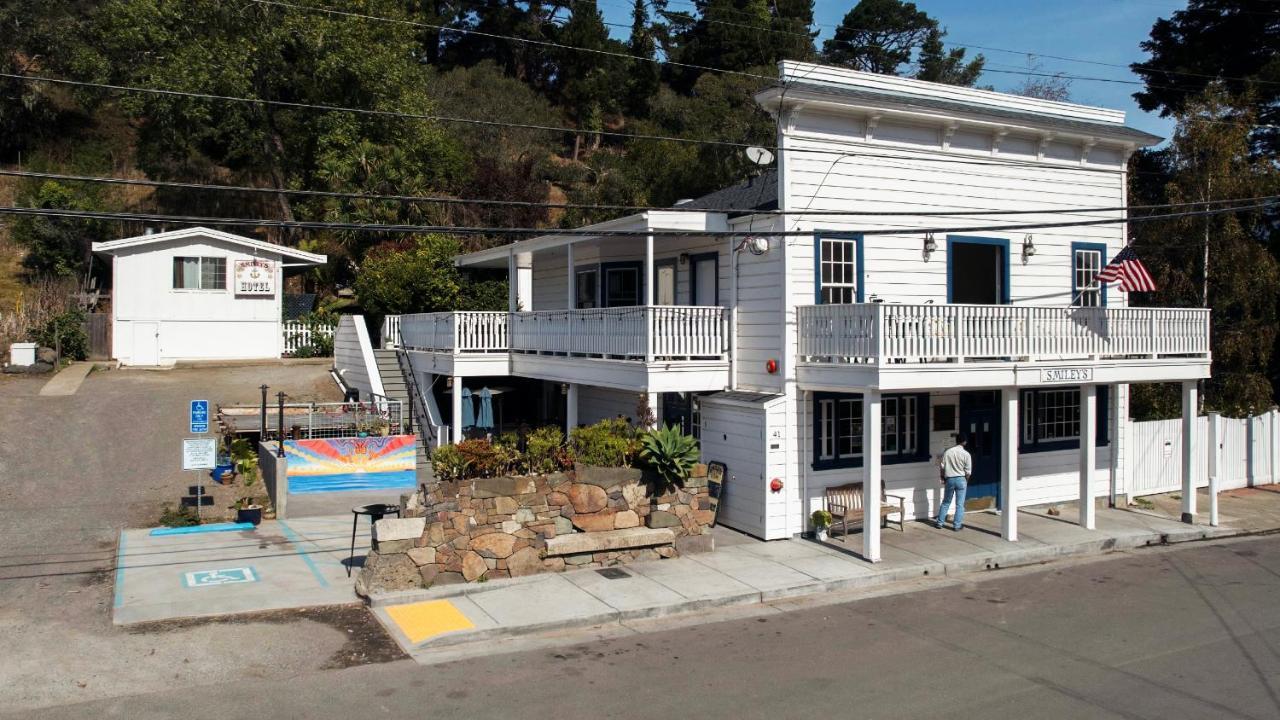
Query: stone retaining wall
x,y
487,528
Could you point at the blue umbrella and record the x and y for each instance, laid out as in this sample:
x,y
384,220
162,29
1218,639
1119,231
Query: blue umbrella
x,y
484,420
468,409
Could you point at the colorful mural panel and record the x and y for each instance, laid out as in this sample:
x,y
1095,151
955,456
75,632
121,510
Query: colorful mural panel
x,y
349,464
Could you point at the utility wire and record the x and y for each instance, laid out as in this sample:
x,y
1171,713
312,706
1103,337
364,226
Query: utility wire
x,y
579,232
294,105
426,199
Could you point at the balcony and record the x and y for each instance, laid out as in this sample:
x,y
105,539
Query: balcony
x,y
662,348
655,349
937,346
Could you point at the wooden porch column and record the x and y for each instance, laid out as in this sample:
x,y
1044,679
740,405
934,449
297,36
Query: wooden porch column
x,y
1190,456
571,296
871,479
1088,454
456,418
1009,464
513,281
571,408
648,298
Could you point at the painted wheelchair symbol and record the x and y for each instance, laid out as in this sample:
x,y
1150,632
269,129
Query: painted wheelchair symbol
x,y
228,576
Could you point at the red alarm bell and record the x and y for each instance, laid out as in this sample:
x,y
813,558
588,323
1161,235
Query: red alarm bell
x,y
771,365
775,485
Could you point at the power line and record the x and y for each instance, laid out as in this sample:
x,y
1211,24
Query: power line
x,y
294,105
425,199
576,232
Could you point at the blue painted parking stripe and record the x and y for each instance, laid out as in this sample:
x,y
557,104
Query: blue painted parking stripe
x,y
119,595
292,537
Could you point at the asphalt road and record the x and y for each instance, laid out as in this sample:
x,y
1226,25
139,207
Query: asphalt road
x,y
1184,632
76,469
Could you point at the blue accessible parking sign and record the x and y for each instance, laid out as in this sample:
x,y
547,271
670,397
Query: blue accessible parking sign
x,y
199,416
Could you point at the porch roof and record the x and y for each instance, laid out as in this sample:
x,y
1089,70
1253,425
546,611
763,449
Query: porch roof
x,y
638,223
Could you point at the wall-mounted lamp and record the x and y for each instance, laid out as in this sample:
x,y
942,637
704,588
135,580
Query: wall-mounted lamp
x,y
564,388
684,258
1028,248
930,245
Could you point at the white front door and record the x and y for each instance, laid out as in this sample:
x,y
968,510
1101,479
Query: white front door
x,y
704,282
146,343
666,285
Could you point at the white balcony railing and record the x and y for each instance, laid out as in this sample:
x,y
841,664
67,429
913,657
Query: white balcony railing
x,y
660,333
390,332
872,333
455,332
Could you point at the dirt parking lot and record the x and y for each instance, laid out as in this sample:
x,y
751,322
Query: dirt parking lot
x,y
74,471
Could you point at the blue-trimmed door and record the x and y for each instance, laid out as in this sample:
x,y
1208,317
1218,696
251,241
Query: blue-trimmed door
x,y
980,421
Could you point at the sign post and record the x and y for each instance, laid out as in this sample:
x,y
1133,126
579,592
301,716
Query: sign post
x,y
199,454
199,416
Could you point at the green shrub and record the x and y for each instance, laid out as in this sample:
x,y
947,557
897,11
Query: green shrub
x,y
183,516
608,443
821,519
245,458
448,464
64,331
670,453
483,458
545,451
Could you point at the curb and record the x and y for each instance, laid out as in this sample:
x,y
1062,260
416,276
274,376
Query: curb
x,y
953,569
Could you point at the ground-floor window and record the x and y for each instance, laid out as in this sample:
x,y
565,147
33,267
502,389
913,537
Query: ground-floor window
x,y
1051,419
837,433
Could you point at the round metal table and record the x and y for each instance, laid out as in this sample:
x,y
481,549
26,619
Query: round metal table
x,y
375,511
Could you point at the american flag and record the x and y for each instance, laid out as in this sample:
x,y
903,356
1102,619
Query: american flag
x,y
1129,270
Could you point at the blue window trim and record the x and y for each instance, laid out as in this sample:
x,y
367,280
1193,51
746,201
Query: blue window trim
x,y
976,240
1101,248
586,268
1101,439
693,274
922,433
818,237
605,267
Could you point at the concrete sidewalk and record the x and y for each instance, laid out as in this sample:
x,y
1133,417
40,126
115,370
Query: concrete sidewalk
x,y
423,622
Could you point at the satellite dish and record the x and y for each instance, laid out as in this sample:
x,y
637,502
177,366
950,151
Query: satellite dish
x,y
759,155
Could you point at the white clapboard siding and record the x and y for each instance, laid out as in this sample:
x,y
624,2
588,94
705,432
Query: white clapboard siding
x,y
598,403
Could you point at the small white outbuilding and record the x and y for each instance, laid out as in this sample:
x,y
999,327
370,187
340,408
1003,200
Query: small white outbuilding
x,y
197,294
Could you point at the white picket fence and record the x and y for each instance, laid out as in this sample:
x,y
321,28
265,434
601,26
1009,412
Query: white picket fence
x,y
297,334
1241,452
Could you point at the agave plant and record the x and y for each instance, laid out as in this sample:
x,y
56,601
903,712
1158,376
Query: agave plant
x,y
671,453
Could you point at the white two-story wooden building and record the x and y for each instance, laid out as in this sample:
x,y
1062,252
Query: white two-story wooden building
x,y
817,347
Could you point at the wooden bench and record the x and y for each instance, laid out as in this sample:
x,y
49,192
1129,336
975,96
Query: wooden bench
x,y
844,502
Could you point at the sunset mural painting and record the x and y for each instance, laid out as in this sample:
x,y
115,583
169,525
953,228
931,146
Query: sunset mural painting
x,y
347,464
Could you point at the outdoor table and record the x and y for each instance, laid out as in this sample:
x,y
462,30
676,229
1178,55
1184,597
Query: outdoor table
x,y
375,511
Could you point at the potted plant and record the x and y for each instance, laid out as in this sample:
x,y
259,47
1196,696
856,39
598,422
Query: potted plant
x,y
821,521
247,511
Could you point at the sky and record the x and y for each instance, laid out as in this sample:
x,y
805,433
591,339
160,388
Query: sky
x,y
1101,31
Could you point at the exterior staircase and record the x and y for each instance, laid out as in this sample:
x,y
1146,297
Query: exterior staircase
x,y
395,388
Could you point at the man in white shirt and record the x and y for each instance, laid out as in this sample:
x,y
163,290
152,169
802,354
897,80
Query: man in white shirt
x,y
955,469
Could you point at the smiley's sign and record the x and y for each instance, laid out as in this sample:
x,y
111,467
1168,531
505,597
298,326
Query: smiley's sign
x,y
255,277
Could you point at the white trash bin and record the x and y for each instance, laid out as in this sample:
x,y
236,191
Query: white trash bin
x,y
22,354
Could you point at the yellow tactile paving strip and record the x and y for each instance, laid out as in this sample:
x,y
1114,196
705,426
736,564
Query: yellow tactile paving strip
x,y
423,620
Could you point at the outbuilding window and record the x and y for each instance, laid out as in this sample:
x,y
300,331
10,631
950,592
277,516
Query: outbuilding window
x,y
199,273
837,432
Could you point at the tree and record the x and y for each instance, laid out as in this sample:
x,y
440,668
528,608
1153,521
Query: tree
x,y
1234,44
1042,85
246,49
57,247
879,36
419,276
588,83
939,65
645,75
1209,160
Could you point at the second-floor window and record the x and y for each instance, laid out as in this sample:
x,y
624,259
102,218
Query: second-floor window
x,y
586,288
199,273
1086,263
838,429
838,274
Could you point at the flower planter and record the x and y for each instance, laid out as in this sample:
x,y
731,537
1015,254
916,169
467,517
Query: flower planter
x,y
249,514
